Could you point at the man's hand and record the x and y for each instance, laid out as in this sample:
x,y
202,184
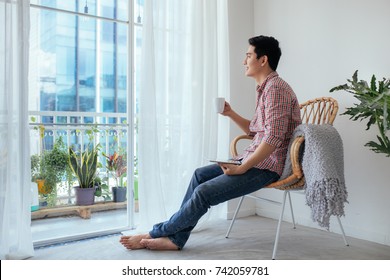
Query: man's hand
x,y
232,169
227,110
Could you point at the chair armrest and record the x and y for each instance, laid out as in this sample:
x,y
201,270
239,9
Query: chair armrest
x,y
294,155
233,144
294,152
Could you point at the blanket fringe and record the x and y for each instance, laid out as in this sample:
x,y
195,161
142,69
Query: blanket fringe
x,y
324,198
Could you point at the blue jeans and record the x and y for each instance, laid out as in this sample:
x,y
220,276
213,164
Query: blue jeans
x,y
209,186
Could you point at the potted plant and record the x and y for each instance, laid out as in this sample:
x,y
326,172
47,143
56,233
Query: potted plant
x,y
374,105
49,168
37,174
84,167
116,164
37,168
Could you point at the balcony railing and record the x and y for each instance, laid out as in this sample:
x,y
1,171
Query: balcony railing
x,y
79,129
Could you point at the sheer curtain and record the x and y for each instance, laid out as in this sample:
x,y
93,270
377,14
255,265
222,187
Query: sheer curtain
x,y
15,215
184,67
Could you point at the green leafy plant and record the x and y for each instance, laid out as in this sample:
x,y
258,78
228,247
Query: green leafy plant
x,y
50,166
374,105
55,162
36,170
102,188
84,165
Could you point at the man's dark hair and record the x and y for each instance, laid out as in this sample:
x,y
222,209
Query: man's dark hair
x,y
268,46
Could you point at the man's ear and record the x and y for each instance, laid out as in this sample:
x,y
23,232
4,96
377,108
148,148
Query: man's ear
x,y
264,60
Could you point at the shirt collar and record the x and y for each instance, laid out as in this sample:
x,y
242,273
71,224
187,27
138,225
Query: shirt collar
x,y
261,87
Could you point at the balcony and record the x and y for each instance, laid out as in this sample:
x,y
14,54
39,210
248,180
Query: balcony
x,y
57,209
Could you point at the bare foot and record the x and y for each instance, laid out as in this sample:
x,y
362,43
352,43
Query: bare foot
x,y
132,242
161,243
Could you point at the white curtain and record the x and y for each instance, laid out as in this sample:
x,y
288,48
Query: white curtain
x,y
184,68
15,183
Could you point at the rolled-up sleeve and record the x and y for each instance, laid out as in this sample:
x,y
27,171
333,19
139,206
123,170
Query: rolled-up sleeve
x,y
277,107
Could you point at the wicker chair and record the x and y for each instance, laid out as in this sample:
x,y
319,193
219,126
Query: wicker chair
x,y
317,111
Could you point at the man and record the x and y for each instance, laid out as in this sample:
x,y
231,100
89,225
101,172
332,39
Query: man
x,y
276,116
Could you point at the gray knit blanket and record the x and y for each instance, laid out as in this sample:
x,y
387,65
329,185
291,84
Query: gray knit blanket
x,y
323,166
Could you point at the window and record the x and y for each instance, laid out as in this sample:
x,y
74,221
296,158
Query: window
x,y
79,76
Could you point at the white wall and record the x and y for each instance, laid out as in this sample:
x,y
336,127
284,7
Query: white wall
x,y
323,42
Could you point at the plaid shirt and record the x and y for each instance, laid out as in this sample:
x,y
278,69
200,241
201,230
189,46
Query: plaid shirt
x,y
277,115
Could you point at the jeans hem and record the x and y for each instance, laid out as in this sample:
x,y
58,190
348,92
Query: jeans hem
x,y
173,240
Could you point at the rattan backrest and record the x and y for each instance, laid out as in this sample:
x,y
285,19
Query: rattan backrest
x,y
322,110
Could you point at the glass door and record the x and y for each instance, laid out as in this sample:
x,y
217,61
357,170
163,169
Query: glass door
x,y
81,97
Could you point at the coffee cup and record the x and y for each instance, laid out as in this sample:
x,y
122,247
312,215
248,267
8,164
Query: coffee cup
x,y
219,104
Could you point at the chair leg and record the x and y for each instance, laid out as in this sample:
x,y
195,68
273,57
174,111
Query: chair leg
x,y
342,230
291,208
234,217
279,224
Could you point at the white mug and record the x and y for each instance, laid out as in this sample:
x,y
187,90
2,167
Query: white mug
x,y
219,104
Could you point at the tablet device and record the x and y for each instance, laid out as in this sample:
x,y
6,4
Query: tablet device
x,y
226,161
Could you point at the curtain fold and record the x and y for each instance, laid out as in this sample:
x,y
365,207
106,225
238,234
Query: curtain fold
x,y
15,183
184,68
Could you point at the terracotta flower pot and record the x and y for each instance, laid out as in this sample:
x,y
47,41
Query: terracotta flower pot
x,y
42,188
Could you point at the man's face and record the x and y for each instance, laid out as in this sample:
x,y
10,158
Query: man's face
x,y
252,64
